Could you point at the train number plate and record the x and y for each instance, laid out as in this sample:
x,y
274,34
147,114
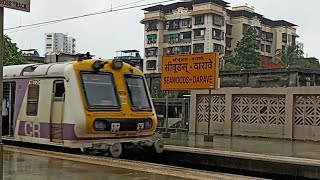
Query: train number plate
x,y
140,126
115,127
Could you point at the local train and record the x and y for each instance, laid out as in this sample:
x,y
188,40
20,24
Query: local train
x,y
94,105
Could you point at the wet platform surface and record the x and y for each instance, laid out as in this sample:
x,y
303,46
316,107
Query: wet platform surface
x,y
27,167
299,149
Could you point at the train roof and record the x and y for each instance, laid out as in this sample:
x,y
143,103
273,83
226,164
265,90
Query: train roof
x,y
39,69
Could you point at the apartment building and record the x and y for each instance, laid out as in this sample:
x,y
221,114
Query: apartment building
x,y
202,26
59,42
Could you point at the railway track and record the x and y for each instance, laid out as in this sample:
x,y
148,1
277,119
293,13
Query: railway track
x,y
127,164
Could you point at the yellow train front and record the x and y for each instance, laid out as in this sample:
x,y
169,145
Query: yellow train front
x,y
118,107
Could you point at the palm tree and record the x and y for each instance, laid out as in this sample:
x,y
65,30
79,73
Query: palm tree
x,y
291,56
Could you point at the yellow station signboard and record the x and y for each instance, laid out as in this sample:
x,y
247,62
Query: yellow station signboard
x,y
187,72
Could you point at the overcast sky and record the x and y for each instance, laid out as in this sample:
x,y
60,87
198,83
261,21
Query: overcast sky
x,y
104,34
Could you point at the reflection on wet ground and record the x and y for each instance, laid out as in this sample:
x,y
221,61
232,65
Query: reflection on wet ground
x,y
27,167
302,149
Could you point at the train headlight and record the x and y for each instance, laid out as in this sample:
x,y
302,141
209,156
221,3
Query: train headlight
x,y
148,124
117,64
97,65
99,125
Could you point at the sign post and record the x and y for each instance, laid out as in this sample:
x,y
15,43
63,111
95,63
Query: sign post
x,y
21,5
167,134
191,72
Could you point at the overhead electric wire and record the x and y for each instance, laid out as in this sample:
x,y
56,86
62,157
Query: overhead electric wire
x,y
116,9
71,18
49,22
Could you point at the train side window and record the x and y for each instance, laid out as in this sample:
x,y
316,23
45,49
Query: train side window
x,y
33,100
59,89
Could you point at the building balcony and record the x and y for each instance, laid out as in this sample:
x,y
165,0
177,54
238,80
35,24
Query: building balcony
x,y
198,51
219,38
151,41
148,29
154,15
198,38
197,26
185,41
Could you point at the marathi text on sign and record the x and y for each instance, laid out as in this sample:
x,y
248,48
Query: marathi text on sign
x,y
22,5
186,72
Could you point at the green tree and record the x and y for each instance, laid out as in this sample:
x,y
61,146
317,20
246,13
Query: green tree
x,y
313,63
291,56
229,63
12,55
247,54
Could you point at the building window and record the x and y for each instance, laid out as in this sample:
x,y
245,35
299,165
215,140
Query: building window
x,y
199,20
217,34
229,29
218,48
263,35
198,48
283,48
173,50
185,37
152,38
258,31
151,26
49,45
151,64
268,48
284,37
262,47
228,42
172,38
33,100
228,52
186,23
173,24
185,49
245,27
293,40
151,52
269,37
218,20
199,33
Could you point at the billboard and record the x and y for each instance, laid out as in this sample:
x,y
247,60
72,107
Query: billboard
x,y
187,72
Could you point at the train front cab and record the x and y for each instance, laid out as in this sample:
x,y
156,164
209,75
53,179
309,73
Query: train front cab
x,y
118,107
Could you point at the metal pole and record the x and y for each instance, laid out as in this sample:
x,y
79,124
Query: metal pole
x,y
209,120
1,87
167,109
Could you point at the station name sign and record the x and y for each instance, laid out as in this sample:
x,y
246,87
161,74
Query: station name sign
x,y
187,72
21,5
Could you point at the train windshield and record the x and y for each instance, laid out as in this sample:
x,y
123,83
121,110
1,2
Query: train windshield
x,y
137,92
99,90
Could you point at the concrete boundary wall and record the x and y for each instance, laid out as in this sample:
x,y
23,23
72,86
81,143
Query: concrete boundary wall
x,y
291,113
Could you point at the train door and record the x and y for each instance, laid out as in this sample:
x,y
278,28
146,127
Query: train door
x,y
56,119
9,89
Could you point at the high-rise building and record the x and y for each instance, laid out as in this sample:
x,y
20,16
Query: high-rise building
x,y
59,42
202,26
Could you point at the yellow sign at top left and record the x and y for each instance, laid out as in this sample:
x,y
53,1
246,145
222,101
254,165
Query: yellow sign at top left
x,y
21,5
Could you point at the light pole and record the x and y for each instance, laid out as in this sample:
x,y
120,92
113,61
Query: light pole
x,y
1,87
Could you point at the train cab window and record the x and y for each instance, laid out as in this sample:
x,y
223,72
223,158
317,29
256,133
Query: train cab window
x,y
33,99
138,92
59,89
99,90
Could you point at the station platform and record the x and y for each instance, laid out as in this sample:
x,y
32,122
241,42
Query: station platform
x,y
274,156
278,147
